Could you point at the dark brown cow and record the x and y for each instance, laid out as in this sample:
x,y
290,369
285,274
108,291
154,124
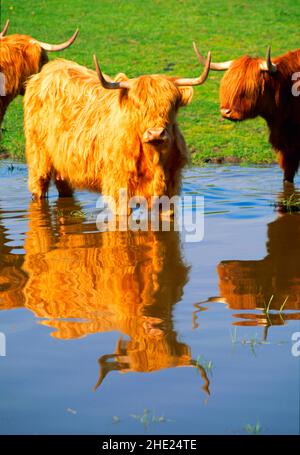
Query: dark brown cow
x,y
268,88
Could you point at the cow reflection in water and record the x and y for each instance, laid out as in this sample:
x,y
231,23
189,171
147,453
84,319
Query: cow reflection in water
x,y
272,282
112,281
12,277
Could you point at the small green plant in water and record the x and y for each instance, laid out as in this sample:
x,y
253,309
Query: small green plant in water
x,y
267,309
78,214
59,213
283,305
253,429
233,336
206,364
74,214
290,204
116,419
253,342
147,418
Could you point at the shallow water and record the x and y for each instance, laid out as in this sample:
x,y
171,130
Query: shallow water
x,y
134,333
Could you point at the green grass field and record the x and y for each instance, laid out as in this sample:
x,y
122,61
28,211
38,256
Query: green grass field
x,y
138,37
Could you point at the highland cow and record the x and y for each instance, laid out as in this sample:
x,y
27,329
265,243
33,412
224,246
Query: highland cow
x,y
90,132
20,57
254,87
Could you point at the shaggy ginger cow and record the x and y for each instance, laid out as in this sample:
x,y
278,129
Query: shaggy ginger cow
x,y
21,56
101,135
268,88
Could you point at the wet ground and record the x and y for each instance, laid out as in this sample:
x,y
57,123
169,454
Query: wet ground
x,y
141,332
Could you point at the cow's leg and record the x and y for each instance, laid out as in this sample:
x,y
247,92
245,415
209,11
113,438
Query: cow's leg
x,y
39,184
290,171
290,164
160,187
4,103
63,187
40,171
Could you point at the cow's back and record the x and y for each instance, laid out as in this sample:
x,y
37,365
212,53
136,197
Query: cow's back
x,y
66,112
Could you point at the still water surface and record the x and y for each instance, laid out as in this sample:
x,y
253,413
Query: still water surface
x,y
134,333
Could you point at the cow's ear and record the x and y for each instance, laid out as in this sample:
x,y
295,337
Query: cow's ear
x,y
186,95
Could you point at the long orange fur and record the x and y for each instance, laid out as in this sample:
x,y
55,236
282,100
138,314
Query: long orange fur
x,y
20,58
90,137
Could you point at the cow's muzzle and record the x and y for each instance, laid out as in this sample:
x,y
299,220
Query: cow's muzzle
x,y
225,112
230,114
158,135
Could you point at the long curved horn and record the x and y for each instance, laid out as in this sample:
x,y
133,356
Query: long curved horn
x,y
196,80
268,65
58,47
222,66
3,33
107,84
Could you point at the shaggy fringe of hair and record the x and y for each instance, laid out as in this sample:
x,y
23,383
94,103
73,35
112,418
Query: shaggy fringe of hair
x,y
245,80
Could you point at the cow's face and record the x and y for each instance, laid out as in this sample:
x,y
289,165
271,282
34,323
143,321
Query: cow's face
x,y
241,89
148,108
152,104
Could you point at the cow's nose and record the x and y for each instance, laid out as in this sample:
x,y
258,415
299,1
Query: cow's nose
x,y
155,134
225,112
